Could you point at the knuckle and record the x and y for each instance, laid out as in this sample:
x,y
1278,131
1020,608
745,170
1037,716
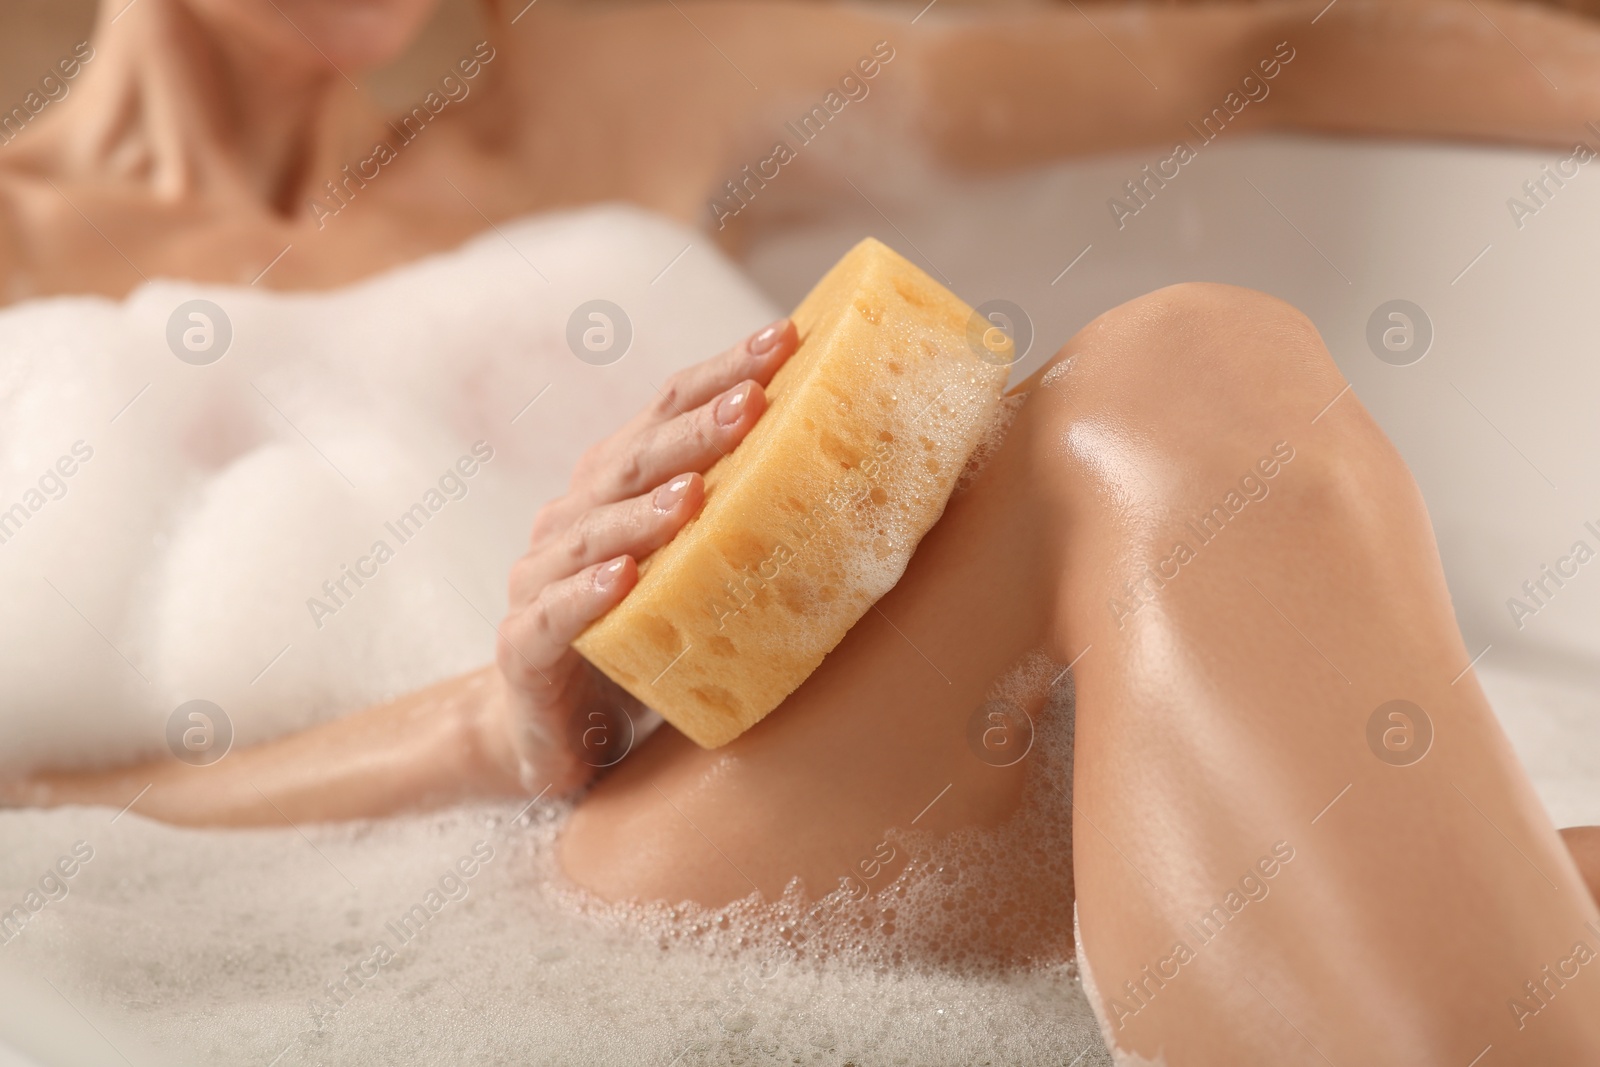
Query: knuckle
x,y
628,472
579,536
541,615
667,402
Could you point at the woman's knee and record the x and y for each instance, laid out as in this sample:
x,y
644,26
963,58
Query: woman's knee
x,y
1195,357
1200,389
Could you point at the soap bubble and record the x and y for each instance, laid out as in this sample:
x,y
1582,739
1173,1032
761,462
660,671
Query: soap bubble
x,y
738,1022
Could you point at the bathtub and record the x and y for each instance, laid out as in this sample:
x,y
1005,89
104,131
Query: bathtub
x,y
1496,419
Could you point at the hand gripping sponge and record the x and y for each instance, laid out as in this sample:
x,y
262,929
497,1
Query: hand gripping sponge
x,y
817,512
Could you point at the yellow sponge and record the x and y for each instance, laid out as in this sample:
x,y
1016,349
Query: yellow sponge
x,y
816,513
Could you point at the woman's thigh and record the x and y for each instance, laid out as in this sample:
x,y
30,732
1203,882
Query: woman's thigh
x,y
1189,508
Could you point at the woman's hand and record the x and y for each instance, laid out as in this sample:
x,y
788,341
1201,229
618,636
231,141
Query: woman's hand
x,y
555,718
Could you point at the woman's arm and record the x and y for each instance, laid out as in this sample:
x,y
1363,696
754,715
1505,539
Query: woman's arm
x,y
1095,77
999,89
426,749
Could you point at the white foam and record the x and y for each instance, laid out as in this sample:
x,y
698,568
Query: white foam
x,y
180,560
991,438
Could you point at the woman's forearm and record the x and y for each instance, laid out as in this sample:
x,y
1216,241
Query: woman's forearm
x,y
1109,77
428,748
1480,70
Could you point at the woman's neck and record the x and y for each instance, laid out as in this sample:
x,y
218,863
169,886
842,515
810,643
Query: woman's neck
x,y
169,103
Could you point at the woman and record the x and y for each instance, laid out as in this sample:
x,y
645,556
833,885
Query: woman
x,y
1221,724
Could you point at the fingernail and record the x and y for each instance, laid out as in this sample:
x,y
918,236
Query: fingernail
x,y
767,339
606,576
668,495
731,406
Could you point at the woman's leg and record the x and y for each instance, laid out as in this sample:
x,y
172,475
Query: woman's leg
x,y
1271,854
1244,571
